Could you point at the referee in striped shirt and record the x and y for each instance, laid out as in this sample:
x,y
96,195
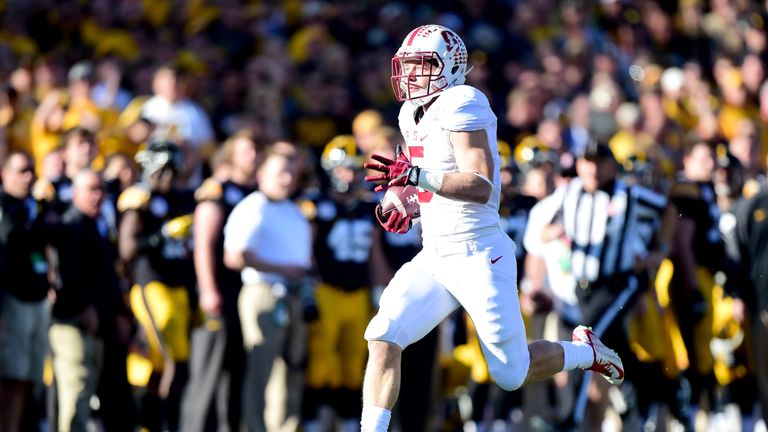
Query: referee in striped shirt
x,y
617,233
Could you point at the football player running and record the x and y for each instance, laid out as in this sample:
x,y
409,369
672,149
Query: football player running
x,y
467,260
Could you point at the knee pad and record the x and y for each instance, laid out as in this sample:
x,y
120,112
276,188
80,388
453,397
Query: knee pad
x,y
508,367
384,329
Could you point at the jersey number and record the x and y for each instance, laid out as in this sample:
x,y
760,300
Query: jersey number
x,y
416,152
350,240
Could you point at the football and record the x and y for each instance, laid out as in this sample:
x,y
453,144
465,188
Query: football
x,y
402,199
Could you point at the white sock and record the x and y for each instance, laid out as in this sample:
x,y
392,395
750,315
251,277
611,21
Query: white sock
x,y
375,419
760,425
577,355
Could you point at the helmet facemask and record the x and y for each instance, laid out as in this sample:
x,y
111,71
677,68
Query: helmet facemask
x,y
417,76
158,158
346,179
431,59
340,155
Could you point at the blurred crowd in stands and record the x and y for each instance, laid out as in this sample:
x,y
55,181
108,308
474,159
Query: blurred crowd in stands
x,y
130,130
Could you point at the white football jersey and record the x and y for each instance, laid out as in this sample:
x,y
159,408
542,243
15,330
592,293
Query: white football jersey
x,y
461,109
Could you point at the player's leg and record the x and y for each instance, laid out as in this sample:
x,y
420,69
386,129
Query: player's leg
x,y
412,305
75,374
381,385
485,284
17,359
353,351
324,369
263,335
416,396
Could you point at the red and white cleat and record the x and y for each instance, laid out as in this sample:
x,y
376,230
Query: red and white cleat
x,y
607,362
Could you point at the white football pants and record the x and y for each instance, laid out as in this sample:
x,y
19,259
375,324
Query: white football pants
x,y
479,275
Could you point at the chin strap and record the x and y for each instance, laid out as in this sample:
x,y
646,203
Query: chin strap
x,y
421,101
469,69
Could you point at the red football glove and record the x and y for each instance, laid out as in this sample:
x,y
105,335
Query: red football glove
x,y
393,222
398,172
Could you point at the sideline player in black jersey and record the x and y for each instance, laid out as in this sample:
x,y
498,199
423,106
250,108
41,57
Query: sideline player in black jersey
x,y
698,253
217,359
349,261
154,235
734,370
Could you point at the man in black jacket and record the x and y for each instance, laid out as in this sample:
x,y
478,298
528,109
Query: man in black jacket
x,y
23,290
89,311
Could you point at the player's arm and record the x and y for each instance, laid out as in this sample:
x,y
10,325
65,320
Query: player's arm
x,y
542,226
473,182
49,115
665,237
128,237
682,248
240,259
209,219
241,227
686,198
130,204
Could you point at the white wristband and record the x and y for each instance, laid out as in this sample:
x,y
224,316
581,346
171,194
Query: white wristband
x,y
430,181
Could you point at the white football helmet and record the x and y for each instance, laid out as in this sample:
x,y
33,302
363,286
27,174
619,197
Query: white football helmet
x,y
430,51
